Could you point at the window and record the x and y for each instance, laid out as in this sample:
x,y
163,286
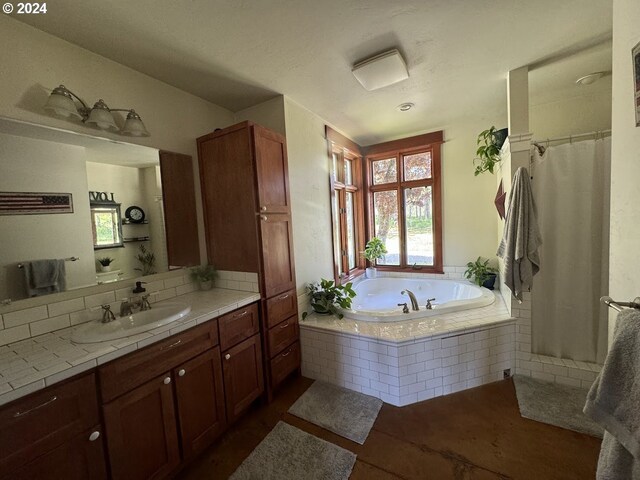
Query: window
x,y
347,206
106,226
403,180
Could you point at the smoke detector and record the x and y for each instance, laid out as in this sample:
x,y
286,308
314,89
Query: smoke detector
x,y
381,70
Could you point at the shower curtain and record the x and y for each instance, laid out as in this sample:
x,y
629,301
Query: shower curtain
x,y
571,191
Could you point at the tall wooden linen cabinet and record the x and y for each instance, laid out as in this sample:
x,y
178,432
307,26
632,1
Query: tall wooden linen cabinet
x,y
245,191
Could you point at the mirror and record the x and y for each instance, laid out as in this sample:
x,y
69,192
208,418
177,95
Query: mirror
x,y
77,210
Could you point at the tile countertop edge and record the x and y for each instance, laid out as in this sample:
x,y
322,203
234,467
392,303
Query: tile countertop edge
x,y
199,315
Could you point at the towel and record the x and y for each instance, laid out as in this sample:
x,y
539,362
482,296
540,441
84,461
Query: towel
x,y
614,402
521,238
45,276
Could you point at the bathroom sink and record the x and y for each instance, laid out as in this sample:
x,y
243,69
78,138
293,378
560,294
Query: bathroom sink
x,y
160,314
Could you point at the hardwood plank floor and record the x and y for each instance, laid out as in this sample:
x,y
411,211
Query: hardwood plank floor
x,y
476,434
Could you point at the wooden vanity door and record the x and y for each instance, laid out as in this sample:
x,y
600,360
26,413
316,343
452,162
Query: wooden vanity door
x,y
278,269
272,171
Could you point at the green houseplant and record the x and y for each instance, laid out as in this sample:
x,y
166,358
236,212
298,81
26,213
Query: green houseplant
x,y
105,263
488,153
147,261
373,250
204,275
326,297
482,274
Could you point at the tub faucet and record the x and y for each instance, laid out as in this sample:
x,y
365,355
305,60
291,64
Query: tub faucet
x,y
412,297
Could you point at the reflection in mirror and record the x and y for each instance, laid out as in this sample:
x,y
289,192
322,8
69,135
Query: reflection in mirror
x,y
83,186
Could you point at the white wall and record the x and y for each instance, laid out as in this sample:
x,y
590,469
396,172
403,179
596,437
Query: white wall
x,y
269,114
29,165
34,62
624,259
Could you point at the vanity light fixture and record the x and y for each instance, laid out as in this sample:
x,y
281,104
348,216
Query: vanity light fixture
x,y
61,102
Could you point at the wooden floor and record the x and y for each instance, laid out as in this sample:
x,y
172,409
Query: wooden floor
x,y
474,434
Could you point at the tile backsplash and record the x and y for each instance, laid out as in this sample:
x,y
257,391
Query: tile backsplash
x,y
39,315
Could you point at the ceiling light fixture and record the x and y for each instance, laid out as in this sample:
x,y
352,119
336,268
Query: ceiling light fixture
x,y
591,78
381,70
61,102
405,107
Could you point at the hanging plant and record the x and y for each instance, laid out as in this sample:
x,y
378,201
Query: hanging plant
x,y
488,154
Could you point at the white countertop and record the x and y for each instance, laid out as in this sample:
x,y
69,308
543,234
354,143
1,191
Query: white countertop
x,y
37,362
408,331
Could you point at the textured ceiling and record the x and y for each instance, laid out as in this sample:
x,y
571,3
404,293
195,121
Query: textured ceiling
x,y
240,53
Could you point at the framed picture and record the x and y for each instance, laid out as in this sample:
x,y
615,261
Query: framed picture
x,y
636,81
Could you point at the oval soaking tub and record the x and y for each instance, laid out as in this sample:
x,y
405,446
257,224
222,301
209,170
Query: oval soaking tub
x,y
377,299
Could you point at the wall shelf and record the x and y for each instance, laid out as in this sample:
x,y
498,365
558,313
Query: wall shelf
x,y
127,222
136,239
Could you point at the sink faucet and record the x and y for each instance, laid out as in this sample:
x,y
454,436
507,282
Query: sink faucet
x,y
126,308
107,314
412,297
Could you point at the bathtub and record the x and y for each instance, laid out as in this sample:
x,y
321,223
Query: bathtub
x,y
377,299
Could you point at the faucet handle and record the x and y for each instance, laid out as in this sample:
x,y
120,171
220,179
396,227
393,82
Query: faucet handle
x,y
405,309
429,306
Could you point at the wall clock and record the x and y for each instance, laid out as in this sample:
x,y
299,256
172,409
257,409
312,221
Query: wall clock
x,y
134,214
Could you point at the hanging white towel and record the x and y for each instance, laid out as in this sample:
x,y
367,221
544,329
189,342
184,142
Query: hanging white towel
x,y
521,238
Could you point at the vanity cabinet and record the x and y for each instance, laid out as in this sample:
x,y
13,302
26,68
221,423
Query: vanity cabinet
x,y
247,208
243,376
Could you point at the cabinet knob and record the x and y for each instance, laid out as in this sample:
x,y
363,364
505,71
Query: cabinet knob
x,y
94,436
181,372
263,218
263,208
167,381
227,356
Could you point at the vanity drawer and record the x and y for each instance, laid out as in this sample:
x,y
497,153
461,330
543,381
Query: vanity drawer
x,y
281,307
283,335
285,363
38,423
238,326
126,373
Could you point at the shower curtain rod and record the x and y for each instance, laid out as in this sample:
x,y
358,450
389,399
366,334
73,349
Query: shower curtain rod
x,y
572,137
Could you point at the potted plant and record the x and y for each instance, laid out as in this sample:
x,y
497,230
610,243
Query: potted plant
x,y
488,154
147,261
326,297
105,264
373,250
204,275
481,273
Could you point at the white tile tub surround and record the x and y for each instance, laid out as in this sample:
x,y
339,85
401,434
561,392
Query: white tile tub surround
x,y
31,364
402,373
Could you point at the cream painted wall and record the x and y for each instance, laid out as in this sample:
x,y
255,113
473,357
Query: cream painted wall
x,y
572,115
34,62
270,114
29,165
624,260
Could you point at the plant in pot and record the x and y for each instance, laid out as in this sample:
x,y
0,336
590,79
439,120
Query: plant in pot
x,y
374,250
488,153
326,297
204,275
105,264
147,261
482,274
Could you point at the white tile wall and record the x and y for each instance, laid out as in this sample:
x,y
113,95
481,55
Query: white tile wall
x,y
245,281
405,373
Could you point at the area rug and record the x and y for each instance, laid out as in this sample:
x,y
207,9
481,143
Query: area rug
x,y
559,405
345,412
289,453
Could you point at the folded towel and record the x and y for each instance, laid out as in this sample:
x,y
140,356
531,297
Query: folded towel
x,y
45,276
521,238
614,402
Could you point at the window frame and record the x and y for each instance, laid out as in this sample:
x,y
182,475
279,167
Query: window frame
x,y
398,149
344,148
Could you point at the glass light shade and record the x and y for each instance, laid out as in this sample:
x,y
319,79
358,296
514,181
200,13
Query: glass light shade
x,y
61,103
101,117
133,126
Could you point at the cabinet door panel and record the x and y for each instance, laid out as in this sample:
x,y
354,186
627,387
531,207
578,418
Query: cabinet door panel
x,y
283,335
285,363
78,459
278,271
238,326
281,307
200,398
272,171
243,376
141,432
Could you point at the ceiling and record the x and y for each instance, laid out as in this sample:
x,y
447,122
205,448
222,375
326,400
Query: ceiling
x,y
242,52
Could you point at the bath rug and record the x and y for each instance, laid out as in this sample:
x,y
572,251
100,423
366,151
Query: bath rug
x,y
289,453
559,405
345,412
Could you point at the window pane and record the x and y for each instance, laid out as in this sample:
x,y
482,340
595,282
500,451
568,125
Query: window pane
x,y
417,166
351,231
334,169
106,227
348,178
385,205
384,171
336,229
419,225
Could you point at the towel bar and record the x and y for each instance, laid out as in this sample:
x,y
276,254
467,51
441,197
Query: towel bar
x,y
70,259
618,306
